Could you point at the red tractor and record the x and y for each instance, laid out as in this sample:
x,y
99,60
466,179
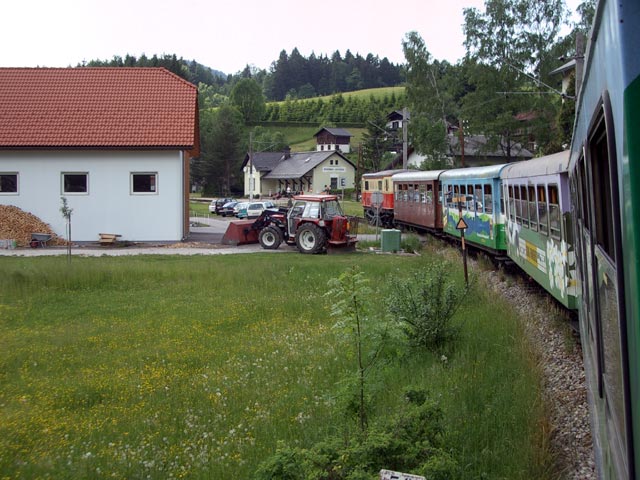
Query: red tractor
x,y
313,224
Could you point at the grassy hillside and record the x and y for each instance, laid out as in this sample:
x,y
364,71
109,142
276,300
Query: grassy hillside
x,y
309,143
377,93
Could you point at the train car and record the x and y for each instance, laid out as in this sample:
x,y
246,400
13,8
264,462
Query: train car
x,y
604,173
475,194
418,200
538,223
372,183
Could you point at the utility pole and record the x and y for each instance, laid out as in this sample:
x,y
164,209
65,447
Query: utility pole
x,y
405,127
251,181
461,139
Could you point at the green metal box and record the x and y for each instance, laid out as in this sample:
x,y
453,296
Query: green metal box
x,y
390,240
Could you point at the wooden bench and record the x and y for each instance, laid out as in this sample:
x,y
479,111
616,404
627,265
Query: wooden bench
x,y
108,238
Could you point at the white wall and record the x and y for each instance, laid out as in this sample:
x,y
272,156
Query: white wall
x,y
323,173
109,206
330,147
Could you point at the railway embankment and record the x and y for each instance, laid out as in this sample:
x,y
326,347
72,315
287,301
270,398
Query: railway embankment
x,y
559,355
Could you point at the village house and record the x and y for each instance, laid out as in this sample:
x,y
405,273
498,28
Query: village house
x,y
271,173
475,151
115,142
333,139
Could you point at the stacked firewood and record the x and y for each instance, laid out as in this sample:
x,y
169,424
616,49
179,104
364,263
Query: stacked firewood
x,y
18,225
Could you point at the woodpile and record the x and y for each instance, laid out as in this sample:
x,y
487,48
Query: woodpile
x,y
18,225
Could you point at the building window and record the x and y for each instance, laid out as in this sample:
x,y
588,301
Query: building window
x,y
144,182
8,183
75,182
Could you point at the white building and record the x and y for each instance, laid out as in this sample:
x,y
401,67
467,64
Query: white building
x,y
115,142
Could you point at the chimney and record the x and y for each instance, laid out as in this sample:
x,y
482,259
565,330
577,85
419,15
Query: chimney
x,y
287,152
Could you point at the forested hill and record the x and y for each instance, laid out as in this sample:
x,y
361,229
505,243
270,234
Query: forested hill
x,y
299,77
290,76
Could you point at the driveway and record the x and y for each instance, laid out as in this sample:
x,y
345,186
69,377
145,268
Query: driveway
x,y
202,240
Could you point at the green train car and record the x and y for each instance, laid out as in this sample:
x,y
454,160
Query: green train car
x,y
538,223
475,195
604,178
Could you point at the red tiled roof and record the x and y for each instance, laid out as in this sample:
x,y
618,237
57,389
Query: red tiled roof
x,y
97,108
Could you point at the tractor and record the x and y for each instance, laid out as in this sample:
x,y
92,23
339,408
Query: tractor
x,y
313,223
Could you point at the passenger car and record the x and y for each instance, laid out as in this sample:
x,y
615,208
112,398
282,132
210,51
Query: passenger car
x,y
255,209
216,205
227,208
240,209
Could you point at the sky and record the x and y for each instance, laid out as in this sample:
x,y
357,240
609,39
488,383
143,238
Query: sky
x,y
225,35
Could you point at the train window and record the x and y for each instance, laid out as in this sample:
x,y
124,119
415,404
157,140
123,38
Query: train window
x,y
602,191
487,199
386,184
524,202
512,205
410,193
533,211
543,216
554,212
423,197
518,204
477,193
463,196
380,185
429,196
396,193
366,185
416,193
584,203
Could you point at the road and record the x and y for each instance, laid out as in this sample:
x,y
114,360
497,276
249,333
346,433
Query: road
x,y
202,240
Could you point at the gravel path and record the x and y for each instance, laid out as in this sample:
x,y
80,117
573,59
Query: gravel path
x,y
560,357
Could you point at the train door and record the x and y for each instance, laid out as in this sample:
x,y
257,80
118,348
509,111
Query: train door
x,y
604,287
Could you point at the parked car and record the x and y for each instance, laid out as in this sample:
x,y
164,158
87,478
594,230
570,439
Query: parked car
x,y
240,210
227,208
255,209
216,205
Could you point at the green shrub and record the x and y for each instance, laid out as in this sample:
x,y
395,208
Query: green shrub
x,y
424,304
411,243
411,441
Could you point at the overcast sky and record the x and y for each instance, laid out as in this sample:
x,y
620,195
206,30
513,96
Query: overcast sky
x,y
224,35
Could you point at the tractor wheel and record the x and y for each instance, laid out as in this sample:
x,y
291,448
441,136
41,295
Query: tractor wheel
x,y
310,238
270,237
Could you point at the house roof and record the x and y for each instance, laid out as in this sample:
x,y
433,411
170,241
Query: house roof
x,y
97,108
338,132
570,65
397,115
476,145
300,163
264,161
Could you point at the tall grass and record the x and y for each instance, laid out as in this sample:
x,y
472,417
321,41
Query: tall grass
x,y
163,367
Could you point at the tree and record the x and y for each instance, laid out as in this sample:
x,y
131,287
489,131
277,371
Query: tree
x,y
247,97
376,141
221,133
508,48
268,141
428,101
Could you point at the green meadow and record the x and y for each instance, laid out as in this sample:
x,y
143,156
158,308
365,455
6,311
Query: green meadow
x,y
197,367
